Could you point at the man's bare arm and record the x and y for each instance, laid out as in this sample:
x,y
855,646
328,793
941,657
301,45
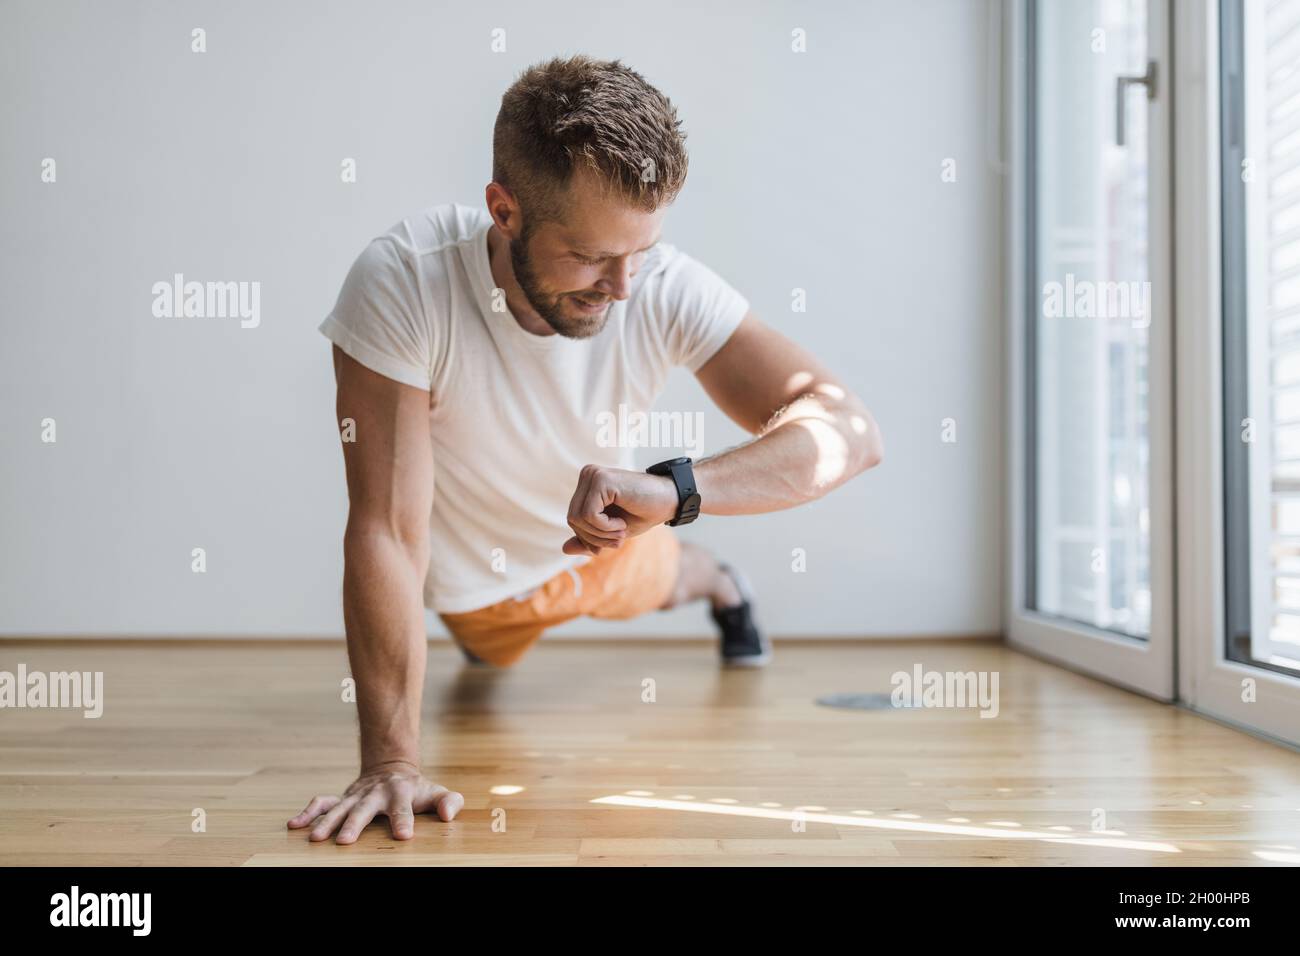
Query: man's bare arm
x,y
386,555
389,466
813,433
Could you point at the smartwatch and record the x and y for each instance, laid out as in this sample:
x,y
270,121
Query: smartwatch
x,y
688,500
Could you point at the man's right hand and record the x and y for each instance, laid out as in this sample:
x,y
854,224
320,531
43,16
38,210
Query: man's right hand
x,y
396,790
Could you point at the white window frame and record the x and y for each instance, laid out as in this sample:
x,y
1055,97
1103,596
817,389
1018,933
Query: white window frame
x,y
1208,682
1145,666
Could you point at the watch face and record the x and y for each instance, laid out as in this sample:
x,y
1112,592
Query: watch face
x,y
664,467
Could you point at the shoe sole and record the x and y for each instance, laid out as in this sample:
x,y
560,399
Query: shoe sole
x,y
750,661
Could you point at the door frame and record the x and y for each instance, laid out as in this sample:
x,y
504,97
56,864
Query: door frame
x,y
1208,681
1147,667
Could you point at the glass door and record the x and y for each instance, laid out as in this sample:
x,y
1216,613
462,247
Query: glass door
x,y
1238,270
1091,534
1261,330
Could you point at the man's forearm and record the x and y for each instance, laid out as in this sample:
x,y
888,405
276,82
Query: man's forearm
x,y
809,448
383,610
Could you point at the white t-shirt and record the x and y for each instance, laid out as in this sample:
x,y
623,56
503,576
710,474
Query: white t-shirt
x,y
515,414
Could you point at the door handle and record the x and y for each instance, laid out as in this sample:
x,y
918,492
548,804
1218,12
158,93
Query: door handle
x,y
1147,79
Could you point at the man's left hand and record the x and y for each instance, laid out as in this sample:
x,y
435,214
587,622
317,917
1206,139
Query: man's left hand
x,y
611,505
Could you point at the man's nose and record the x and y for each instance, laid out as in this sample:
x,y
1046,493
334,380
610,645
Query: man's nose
x,y
616,282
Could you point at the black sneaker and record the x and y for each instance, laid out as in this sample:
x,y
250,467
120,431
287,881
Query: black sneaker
x,y
742,644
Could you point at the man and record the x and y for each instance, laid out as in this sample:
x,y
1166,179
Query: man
x,y
486,344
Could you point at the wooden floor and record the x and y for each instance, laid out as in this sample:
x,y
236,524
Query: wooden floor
x,y
720,768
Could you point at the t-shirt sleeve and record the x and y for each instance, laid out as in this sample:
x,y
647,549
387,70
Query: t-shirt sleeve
x,y
699,310
379,320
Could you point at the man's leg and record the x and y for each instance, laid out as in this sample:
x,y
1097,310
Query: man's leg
x,y
500,634
700,575
657,571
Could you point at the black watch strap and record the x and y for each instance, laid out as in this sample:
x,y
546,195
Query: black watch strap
x,y
683,476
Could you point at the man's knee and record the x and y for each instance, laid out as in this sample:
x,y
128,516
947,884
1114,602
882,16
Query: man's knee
x,y
675,597
494,649
492,660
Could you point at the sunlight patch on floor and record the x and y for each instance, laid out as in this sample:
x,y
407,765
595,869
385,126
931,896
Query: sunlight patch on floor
x,y
731,809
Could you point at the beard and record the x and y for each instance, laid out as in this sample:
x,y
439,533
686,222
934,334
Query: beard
x,y
557,310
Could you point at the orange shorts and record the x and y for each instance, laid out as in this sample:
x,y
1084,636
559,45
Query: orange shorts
x,y
616,584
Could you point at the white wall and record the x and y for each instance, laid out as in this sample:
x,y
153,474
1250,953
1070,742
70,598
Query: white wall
x,y
818,170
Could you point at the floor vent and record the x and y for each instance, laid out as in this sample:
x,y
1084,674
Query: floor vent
x,y
861,701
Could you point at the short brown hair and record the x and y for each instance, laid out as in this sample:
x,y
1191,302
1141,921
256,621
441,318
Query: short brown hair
x,y
597,113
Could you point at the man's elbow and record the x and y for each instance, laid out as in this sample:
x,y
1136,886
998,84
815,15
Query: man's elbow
x,y
872,446
368,538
